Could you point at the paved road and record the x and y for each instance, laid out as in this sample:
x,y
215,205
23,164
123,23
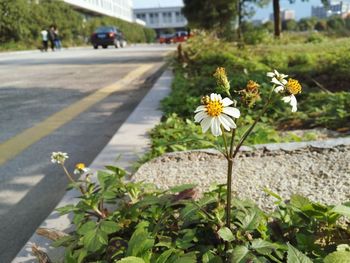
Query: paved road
x,y
72,101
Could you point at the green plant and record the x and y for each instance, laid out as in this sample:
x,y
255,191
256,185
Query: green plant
x,y
139,223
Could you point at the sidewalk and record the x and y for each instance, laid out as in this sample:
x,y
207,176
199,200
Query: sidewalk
x,y
130,142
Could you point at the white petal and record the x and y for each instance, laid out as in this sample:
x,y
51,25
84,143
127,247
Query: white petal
x,y
224,122
270,74
279,89
283,76
235,113
229,121
293,103
213,96
226,102
205,124
200,116
287,99
276,72
215,127
200,108
276,81
283,81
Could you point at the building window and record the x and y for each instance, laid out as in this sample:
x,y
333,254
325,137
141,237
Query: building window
x,y
153,18
141,16
167,19
179,17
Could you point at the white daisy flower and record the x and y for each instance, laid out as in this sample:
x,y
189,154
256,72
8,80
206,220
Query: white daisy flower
x,y
278,79
80,168
59,157
215,112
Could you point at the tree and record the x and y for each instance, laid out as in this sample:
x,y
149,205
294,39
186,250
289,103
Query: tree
x,y
289,25
208,14
14,19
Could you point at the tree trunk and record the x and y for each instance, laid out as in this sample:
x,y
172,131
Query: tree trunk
x,y
277,18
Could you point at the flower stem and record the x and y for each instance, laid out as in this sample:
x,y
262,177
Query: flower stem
x,y
71,179
247,132
225,143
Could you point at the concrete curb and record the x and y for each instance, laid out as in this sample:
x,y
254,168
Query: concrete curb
x,y
285,146
129,142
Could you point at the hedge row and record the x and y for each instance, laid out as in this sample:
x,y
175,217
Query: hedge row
x,y
21,22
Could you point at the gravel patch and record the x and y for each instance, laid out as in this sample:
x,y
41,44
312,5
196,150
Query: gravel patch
x,y
321,174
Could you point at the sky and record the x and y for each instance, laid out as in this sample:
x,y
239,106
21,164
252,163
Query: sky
x,y
302,9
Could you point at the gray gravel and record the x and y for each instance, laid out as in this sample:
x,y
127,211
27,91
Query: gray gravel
x,y
322,174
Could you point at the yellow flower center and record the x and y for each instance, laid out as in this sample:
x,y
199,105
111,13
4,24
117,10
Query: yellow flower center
x,y
80,166
214,108
293,86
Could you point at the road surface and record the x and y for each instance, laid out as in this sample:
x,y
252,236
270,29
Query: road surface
x,y
71,101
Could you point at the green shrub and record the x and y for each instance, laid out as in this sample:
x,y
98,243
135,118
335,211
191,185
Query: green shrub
x,y
151,225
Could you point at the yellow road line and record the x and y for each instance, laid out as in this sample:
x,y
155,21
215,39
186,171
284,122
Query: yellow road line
x,y
14,146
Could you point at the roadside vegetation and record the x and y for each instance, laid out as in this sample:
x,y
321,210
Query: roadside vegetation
x,y
323,103
230,86
21,22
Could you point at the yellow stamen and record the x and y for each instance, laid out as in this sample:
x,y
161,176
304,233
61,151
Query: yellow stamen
x,y
252,86
214,108
293,86
80,166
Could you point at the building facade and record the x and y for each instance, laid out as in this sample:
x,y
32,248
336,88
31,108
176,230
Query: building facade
x,y
161,19
285,14
115,8
335,8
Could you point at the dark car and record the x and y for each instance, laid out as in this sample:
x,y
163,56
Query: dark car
x,y
108,36
165,38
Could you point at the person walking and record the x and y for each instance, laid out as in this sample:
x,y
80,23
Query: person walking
x,y
57,39
44,38
52,37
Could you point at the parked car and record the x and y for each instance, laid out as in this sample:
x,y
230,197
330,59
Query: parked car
x,y
166,38
180,36
108,36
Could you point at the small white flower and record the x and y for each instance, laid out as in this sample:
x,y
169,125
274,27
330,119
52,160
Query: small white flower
x,y
292,101
215,112
275,74
80,168
59,157
278,79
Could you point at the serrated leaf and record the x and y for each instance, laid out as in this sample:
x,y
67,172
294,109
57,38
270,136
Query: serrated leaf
x,y
131,260
109,227
226,234
88,226
295,256
299,201
239,253
94,240
338,257
342,210
262,246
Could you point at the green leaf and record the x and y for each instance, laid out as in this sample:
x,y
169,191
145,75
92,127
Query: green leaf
x,y
94,240
109,227
187,258
131,260
343,247
239,253
140,242
181,188
262,246
338,257
295,256
88,226
165,255
66,209
342,210
299,201
63,241
226,234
